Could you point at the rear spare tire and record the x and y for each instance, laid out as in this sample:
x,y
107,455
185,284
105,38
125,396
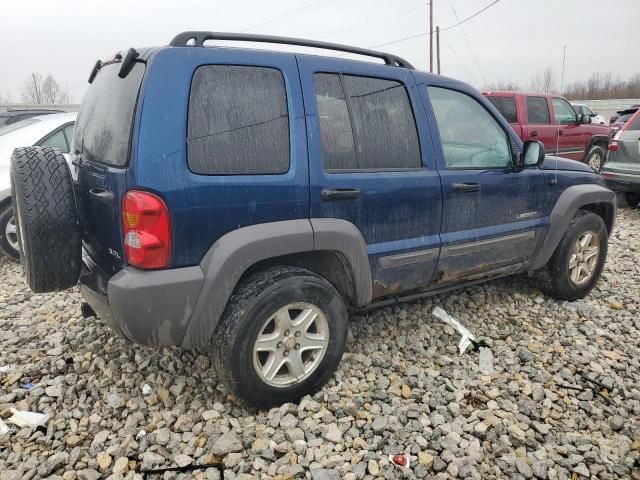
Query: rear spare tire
x,y
45,209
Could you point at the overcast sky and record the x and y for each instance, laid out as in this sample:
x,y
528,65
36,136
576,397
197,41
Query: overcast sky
x,y
512,40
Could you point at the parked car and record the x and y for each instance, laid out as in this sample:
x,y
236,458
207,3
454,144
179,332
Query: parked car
x,y
623,117
615,117
582,109
260,196
553,121
53,130
622,171
14,115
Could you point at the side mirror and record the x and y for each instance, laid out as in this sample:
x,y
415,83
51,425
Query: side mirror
x,y
532,154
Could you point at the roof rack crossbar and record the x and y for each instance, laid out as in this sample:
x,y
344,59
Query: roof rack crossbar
x,y
198,37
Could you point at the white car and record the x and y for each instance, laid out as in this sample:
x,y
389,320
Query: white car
x,y
582,109
54,130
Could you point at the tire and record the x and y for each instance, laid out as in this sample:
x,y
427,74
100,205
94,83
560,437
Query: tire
x,y
48,233
633,199
248,314
9,234
555,278
595,158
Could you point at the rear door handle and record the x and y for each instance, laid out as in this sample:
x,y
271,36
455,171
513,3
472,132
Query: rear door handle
x,y
327,194
560,132
534,133
466,187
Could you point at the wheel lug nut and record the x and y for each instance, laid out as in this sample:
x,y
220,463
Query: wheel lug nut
x,y
297,346
287,333
297,334
279,344
286,353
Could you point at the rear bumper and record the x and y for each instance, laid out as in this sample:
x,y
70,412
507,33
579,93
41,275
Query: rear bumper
x,y
147,307
622,182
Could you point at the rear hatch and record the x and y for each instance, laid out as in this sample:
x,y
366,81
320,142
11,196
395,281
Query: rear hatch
x,y
100,155
624,156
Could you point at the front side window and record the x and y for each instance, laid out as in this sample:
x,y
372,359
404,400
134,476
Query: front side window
x,y
538,111
365,123
563,113
57,140
238,121
470,136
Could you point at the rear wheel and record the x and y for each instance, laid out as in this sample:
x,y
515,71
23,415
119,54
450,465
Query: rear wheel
x,y
576,265
281,337
9,234
45,211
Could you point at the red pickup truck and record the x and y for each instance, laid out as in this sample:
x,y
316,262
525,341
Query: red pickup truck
x,y
552,120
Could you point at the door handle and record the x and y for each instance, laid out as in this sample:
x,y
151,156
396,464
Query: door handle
x,y
466,187
100,192
327,194
534,133
560,132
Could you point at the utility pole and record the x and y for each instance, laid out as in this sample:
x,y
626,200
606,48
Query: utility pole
x,y
431,36
564,56
438,47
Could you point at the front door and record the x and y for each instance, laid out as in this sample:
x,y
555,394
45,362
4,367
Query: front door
x,y
573,137
491,218
371,163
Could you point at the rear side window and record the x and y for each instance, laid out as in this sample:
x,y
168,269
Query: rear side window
x,y
538,111
506,106
634,124
57,140
365,123
103,129
238,121
563,113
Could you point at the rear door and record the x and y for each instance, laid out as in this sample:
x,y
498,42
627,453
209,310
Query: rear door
x,y
371,163
100,156
538,123
572,136
491,211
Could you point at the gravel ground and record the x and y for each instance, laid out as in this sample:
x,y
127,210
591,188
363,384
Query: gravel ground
x,y
401,388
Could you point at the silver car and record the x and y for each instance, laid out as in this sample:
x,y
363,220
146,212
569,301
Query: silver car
x,y
622,170
55,130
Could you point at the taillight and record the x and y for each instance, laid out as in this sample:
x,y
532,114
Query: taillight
x,y
613,146
146,230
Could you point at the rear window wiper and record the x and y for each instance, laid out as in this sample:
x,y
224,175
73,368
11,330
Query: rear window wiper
x,y
126,64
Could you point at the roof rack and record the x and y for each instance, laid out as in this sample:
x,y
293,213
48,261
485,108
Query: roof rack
x,y
183,39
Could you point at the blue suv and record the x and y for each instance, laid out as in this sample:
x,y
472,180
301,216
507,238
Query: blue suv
x,y
242,202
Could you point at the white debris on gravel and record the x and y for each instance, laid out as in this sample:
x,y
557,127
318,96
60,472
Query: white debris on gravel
x,y
402,388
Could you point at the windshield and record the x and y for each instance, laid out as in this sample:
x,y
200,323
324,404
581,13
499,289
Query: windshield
x,y
15,126
103,129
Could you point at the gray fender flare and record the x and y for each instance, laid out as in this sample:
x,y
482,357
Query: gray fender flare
x,y
569,202
235,252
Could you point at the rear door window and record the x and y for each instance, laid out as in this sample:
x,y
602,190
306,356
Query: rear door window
x,y
366,123
56,140
238,121
506,106
538,111
103,128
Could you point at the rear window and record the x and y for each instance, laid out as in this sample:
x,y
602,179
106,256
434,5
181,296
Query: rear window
x,y
238,121
103,129
506,106
538,110
15,126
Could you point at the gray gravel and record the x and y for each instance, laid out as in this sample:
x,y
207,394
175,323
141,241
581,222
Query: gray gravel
x,y
401,388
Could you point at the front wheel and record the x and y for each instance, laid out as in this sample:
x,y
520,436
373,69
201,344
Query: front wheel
x,y
575,267
281,337
595,158
633,199
9,234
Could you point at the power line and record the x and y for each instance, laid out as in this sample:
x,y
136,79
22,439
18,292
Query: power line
x,y
471,75
378,20
441,30
292,13
484,79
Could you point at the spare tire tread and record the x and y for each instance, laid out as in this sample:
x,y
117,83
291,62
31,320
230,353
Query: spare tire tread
x,y
44,202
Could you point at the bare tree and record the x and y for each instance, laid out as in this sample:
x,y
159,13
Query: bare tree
x,y
548,80
44,90
502,86
604,86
